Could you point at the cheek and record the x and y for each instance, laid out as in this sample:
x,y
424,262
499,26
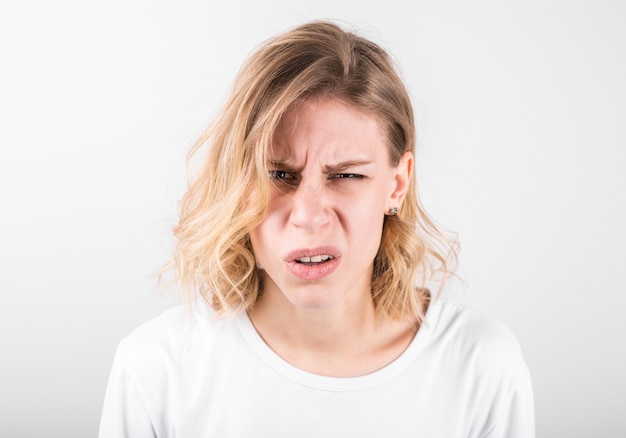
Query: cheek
x,y
368,201
259,247
263,236
258,237
363,217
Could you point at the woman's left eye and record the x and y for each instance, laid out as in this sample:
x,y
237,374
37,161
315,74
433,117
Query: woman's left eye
x,y
347,176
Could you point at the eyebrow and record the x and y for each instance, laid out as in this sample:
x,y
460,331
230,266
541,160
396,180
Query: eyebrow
x,y
329,168
282,165
345,165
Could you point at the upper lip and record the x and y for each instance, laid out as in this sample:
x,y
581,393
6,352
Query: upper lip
x,y
311,252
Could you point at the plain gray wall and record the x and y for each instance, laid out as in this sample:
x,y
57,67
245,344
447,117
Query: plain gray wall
x,y
521,109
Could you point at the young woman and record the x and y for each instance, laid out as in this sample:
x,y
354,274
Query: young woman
x,y
308,264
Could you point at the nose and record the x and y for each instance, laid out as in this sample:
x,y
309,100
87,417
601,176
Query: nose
x,y
309,207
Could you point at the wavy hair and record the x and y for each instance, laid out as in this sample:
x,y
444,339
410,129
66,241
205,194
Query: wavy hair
x,y
213,257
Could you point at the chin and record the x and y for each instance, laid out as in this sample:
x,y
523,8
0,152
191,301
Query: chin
x,y
313,299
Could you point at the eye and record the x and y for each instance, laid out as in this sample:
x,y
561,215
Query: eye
x,y
347,176
283,176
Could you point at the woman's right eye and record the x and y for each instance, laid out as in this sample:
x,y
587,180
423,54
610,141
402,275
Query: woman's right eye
x,y
277,174
283,175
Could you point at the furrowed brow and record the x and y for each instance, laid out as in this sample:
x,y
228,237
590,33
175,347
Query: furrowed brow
x,y
282,165
345,165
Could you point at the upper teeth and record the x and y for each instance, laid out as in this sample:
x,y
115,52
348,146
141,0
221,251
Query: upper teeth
x,y
315,259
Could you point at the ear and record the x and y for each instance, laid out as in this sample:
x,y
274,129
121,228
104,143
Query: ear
x,y
401,181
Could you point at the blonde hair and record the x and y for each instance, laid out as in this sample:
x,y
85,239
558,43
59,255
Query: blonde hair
x,y
214,258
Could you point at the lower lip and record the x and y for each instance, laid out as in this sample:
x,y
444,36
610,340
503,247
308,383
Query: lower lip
x,y
314,272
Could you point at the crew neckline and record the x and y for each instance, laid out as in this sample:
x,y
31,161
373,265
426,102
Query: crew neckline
x,y
327,383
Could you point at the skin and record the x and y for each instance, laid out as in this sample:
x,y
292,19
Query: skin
x,y
333,183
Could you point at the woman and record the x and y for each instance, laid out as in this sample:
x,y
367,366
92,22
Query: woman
x,y
307,262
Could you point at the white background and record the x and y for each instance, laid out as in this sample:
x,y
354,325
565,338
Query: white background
x,y
521,111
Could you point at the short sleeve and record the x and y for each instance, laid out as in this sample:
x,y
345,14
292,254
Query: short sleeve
x,y
517,417
124,414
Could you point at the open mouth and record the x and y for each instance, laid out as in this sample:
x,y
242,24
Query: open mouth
x,y
315,260
313,263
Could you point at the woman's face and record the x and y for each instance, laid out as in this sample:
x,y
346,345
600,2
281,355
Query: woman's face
x,y
332,184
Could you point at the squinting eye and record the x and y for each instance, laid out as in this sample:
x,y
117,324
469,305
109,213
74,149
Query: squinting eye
x,y
348,176
277,174
282,175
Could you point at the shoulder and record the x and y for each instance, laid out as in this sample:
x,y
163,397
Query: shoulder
x,y
161,363
168,338
473,330
483,345
483,370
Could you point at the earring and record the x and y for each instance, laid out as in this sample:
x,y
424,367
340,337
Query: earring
x,y
393,211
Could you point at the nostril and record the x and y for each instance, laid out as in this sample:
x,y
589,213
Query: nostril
x,y
309,210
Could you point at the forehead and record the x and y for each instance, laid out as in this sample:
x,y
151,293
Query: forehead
x,y
328,129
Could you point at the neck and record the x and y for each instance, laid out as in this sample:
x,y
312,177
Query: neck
x,y
342,340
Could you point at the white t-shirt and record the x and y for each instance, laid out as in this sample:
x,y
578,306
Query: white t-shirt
x,y
463,375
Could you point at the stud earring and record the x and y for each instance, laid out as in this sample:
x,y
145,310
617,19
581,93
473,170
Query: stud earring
x,y
393,211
